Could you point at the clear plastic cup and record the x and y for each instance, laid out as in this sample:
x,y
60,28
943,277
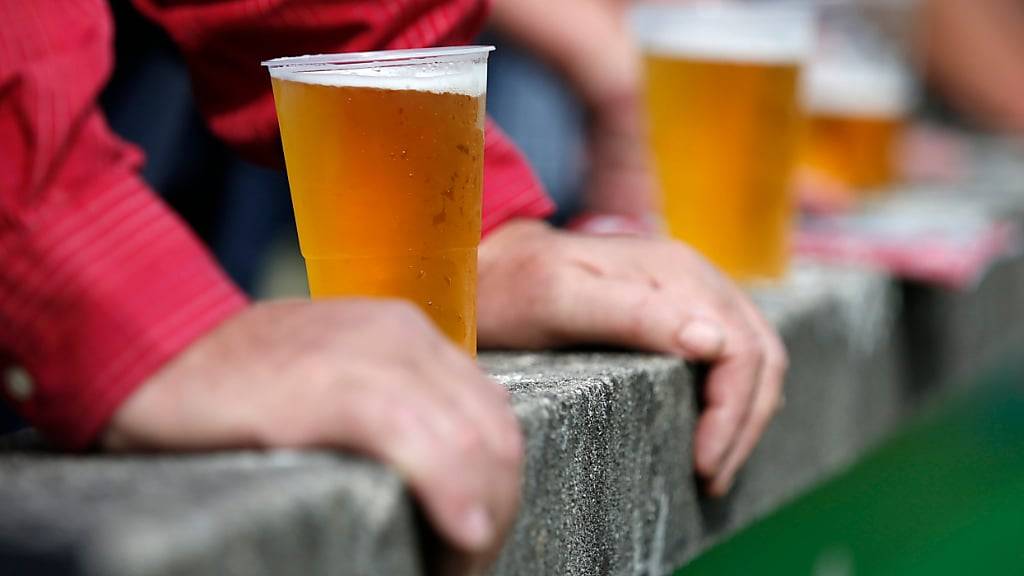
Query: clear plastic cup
x,y
384,152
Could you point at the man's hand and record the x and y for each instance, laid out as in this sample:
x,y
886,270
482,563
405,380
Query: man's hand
x,y
541,288
370,376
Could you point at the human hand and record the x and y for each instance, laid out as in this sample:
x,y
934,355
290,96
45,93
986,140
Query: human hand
x,y
370,376
540,288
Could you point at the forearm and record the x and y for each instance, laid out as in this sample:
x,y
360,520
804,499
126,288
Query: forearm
x,y
99,283
587,40
975,52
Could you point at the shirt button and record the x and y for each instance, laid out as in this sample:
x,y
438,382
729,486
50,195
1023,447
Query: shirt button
x,y
19,384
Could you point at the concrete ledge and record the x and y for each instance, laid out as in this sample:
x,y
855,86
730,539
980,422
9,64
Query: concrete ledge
x,y
252,514
608,484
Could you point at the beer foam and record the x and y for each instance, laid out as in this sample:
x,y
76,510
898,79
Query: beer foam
x,y
464,77
882,89
729,32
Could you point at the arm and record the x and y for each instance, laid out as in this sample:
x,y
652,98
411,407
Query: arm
x,y
100,284
597,56
585,39
975,52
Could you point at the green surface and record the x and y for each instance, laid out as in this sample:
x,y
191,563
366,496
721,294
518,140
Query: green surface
x,y
945,497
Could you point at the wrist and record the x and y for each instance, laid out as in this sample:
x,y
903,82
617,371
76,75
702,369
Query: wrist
x,y
512,232
611,87
172,407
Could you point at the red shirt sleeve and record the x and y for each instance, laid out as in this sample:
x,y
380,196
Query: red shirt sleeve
x,y
224,43
100,284
511,189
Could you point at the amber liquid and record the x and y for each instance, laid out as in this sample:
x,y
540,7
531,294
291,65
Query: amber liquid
x,y
857,151
724,136
386,186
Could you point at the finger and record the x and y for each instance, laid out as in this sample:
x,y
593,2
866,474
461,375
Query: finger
x,y
765,406
634,314
477,398
774,348
412,431
480,400
729,393
766,402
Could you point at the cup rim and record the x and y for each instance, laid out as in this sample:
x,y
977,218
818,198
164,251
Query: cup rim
x,y
377,59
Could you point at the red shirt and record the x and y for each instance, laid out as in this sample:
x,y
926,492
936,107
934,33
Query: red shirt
x,y
100,283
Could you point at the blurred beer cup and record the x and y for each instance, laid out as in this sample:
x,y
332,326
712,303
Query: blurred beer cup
x,y
722,83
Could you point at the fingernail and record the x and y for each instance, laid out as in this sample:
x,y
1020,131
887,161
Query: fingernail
x,y
478,528
702,337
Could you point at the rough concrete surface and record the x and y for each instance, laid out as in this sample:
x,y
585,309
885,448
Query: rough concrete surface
x,y
235,514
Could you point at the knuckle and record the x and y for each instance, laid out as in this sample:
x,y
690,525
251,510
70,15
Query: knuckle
x,y
640,314
515,434
499,391
750,350
541,274
404,312
400,317
536,266
468,442
513,449
543,285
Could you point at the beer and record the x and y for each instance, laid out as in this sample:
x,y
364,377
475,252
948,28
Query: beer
x,y
385,165
722,97
856,120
